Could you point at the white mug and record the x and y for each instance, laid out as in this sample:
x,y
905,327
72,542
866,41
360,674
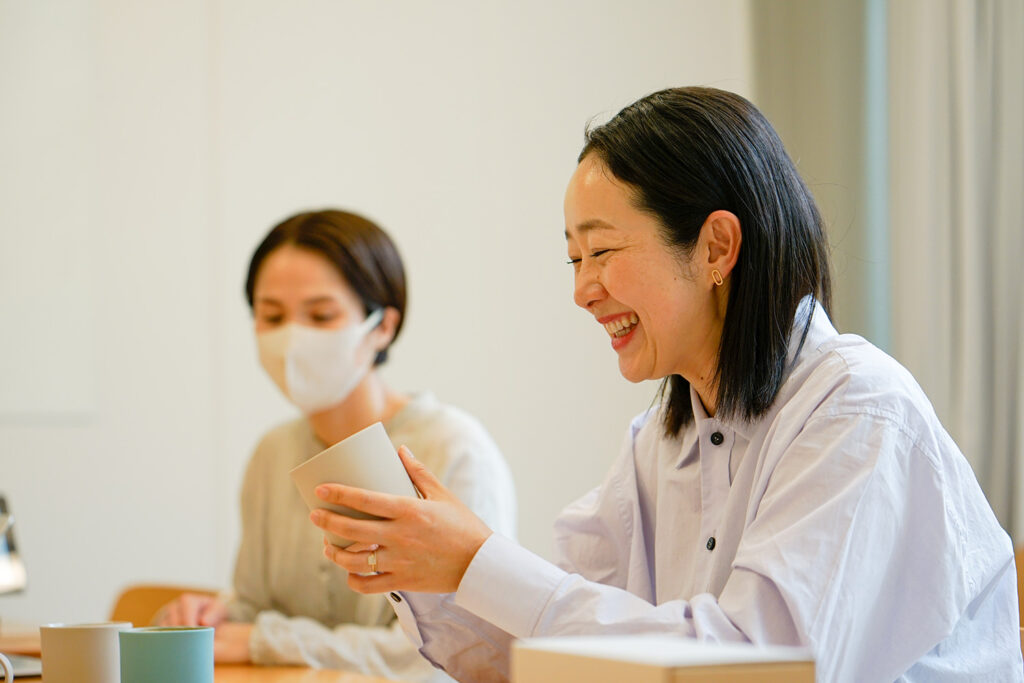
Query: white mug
x,y
366,460
82,653
8,669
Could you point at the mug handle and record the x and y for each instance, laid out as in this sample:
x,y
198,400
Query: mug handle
x,y
8,669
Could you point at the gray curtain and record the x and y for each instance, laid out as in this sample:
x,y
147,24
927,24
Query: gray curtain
x,y
956,154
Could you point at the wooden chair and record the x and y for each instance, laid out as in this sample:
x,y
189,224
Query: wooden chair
x,y
1018,556
139,604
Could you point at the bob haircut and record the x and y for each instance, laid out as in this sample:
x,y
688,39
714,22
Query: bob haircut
x,y
358,248
686,152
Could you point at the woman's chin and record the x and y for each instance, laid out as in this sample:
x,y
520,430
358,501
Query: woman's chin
x,y
631,373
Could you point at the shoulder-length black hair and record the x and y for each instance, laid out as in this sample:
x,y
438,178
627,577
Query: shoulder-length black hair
x,y
686,152
357,247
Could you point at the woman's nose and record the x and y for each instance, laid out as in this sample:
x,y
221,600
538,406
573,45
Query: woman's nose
x,y
588,289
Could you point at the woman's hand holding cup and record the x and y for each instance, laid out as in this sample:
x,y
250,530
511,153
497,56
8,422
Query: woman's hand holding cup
x,y
422,545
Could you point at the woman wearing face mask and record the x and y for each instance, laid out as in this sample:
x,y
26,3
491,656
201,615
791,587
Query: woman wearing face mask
x,y
327,291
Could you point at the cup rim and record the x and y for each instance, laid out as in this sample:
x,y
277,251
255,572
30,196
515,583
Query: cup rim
x,y
331,449
166,629
91,625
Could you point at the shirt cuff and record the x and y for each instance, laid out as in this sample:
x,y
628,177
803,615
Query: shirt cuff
x,y
508,586
406,616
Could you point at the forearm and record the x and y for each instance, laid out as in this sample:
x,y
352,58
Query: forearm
x,y
536,598
374,650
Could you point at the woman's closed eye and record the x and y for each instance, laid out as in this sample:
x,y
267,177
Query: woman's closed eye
x,y
272,319
323,318
593,254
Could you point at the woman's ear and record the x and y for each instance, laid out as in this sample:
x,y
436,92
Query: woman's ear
x,y
721,237
384,333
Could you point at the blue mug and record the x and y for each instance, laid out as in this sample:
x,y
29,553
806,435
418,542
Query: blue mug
x,y
167,654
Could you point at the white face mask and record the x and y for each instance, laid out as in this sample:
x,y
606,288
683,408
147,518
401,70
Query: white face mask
x,y
315,368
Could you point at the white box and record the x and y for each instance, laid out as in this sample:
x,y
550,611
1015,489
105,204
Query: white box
x,y
655,659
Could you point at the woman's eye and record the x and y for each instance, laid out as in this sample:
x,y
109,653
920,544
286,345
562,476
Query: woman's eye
x,y
323,317
272,319
594,254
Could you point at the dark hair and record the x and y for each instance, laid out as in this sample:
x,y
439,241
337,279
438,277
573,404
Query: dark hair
x,y
687,152
361,251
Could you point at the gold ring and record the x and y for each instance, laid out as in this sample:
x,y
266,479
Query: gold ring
x,y
371,559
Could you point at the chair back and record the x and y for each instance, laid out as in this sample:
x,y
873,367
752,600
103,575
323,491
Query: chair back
x,y
139,604
1018,556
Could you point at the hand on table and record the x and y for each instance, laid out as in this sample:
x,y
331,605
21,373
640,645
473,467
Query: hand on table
x,y
422,545
231,643
191,609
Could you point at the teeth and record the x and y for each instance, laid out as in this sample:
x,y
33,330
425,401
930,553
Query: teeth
x,y
620,327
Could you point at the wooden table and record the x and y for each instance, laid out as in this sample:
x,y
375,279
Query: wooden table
x,y
19,639
225,673
288,674
25,641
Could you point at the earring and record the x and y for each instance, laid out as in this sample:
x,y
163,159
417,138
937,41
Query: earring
x,y
717,277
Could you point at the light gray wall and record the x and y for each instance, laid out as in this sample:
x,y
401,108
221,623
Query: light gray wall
x,y
147,149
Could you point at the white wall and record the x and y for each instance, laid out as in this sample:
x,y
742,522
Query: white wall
x,y
147,149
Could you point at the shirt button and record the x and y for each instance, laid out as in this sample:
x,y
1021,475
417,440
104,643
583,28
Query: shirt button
x,y
711,543
717,438
395,597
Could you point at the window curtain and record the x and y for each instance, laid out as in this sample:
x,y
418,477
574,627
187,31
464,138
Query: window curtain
x,y
956,226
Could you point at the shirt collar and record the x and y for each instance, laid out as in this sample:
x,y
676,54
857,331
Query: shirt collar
x,y
704,423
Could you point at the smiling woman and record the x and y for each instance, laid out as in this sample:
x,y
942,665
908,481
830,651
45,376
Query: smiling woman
x,y
793,487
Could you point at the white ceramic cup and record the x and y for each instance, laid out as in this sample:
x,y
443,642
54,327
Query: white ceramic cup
x,y
367,460
5,664
82,653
